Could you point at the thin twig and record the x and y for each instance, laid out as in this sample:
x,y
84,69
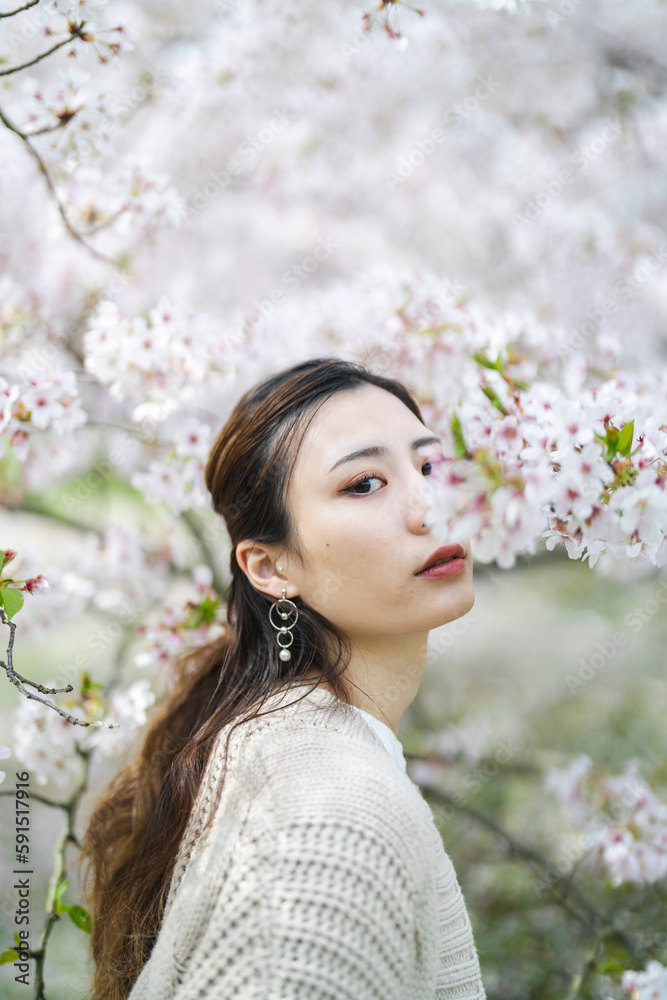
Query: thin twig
x,y
49,183
107,222
30,505
10,13
19,681
60,873
36,797
600,921
193,523
580,982
47,128
43,55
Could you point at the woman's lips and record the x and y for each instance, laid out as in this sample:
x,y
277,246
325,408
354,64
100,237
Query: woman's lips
x,y
449,568
454,552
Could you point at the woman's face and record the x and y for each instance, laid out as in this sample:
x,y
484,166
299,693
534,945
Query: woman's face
x,y
360,524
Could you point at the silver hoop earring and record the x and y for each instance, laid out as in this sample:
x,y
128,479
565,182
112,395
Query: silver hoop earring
x,y
284,631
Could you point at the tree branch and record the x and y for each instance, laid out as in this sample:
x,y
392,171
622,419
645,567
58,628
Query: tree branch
x,y
10,13
24,137
60,873
580,982
594,919
192,521
19,681
47,128
36,797
31,62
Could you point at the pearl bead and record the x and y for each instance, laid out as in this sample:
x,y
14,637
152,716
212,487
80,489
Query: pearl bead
x,y
285,654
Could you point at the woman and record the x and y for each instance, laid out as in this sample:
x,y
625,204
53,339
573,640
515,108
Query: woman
x,y
267,829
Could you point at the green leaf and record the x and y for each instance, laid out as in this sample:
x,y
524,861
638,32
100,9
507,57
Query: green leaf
x,y
457,434
494,398
205,611
209,610
17,940
88,685
624,442
79,915
60,889
8,956
482,360
12,601
611,967
609,441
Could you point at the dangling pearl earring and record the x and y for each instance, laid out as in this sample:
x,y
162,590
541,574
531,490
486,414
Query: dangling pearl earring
x,y
284,631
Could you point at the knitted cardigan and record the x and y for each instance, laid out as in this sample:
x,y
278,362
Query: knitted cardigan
x,y
322,876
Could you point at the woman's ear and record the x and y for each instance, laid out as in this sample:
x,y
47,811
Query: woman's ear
x,y
259,565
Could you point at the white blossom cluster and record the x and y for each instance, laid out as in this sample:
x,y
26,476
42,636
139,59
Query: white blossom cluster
x,y
49,402
625,822
118,574
531,425
46,743
174,630
164,360
648,985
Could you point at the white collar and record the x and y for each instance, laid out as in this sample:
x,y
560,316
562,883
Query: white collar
x,y
390,740
387,736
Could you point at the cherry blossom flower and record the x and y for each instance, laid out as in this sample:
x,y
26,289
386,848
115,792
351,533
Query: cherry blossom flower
x,y
46,743
127,708
53,402
195,623
625,821
648,985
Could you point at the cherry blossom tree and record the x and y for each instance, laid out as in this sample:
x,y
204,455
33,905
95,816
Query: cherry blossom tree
x,y
468,196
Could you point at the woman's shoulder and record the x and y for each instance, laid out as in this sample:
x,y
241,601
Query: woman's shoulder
x,y
309,772
318,761
310,737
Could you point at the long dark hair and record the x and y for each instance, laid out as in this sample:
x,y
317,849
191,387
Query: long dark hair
x,y
133,834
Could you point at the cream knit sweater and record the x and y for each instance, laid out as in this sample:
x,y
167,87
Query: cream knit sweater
x,y
322,877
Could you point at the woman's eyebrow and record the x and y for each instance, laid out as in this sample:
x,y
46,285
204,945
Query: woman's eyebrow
x,y
377,450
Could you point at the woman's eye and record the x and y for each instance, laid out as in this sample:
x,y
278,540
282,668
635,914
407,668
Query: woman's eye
x,y
362,482
357,489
